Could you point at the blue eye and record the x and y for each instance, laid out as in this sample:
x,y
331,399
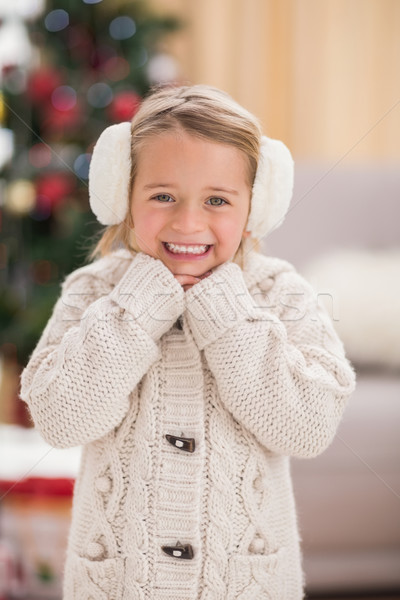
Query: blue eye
x,y
216,201
163,198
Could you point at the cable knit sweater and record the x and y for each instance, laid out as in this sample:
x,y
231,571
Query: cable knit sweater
x,y
240,372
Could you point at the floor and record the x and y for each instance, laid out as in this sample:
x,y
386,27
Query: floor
x,y
375,596
383,596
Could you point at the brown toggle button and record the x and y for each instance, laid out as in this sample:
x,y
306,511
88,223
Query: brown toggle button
x,y
179,551
186,444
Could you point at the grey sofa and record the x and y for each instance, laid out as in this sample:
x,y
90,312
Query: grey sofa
x,y
349,497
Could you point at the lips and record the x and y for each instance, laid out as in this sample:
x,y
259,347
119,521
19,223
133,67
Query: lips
x,y
187,249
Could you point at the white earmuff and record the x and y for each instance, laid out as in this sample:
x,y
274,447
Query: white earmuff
x,y
109,174
272,189
110,171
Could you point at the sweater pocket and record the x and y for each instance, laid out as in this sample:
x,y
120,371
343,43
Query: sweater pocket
x,y
86,579
260,576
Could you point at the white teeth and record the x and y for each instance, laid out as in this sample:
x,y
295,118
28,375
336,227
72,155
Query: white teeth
x,y
177,249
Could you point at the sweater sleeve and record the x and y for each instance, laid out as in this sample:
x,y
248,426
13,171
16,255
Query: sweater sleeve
x,y
95,349
279,365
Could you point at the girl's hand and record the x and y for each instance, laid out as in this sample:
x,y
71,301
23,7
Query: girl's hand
x,y
188,281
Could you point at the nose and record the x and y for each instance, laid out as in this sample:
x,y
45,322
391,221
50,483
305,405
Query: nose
x,y
188,219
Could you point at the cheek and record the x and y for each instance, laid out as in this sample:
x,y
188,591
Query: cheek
x,y
232,230
146,222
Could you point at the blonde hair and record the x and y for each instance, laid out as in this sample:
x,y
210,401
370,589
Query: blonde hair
x,y
200,110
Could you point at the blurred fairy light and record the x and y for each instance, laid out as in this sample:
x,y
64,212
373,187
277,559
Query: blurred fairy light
x,y
162,68
15,46
122,28
81,165
100,95
64,98
57,20
23,9
6,146
20,197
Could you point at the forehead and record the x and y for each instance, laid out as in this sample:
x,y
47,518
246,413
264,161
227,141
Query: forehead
x,y
177,152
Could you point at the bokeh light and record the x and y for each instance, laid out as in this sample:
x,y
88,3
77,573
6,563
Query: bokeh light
x,y
20,196
122,28
99,95
57,20
81,165
64,98
124,106
6,145
162,68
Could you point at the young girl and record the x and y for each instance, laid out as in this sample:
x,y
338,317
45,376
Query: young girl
x,y
187,365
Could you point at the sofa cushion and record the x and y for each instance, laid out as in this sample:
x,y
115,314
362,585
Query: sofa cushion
x,y
361,290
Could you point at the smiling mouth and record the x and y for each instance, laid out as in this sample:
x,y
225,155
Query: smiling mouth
x,y
193,249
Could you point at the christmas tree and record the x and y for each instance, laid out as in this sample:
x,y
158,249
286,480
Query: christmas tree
x,y
68,69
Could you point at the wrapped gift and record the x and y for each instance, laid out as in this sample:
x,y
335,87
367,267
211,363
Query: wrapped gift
x,y
34,522
36,485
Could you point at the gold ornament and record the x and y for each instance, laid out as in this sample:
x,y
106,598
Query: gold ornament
x,y
20,197
2,109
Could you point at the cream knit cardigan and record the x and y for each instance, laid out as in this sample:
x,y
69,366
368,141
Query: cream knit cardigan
x,y
247,363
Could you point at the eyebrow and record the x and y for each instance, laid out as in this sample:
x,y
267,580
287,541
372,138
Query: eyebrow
x,y
221,189
151,186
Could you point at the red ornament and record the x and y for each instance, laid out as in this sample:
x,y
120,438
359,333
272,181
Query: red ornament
x,y
41,85
53,188
124,106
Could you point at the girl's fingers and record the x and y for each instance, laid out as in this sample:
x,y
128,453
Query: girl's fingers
x,y
205,275
187,279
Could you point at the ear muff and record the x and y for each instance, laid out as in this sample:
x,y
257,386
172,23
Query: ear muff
x,y
109,174
272,188
110,170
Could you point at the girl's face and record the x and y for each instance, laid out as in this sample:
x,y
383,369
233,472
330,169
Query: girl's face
x,y
190,202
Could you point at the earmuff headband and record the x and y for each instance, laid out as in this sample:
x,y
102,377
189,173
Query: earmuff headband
x,y
110,171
